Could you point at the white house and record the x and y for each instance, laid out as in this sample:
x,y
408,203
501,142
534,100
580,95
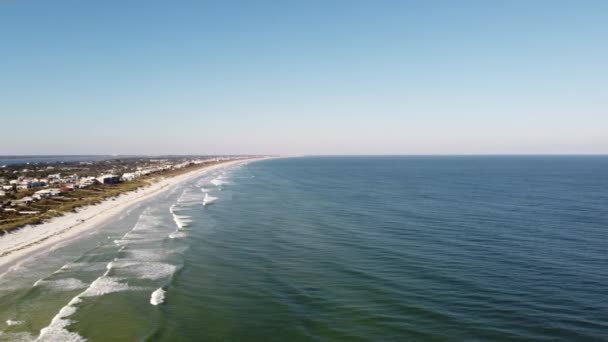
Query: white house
x,y
127,177
87,181
23,201
46,193
55,192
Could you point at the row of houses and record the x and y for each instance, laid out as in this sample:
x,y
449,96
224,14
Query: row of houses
x,y
71,182
37,196
22,183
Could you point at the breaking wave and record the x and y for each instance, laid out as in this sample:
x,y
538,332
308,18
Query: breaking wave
x,y
68,284
11,323
181,220
177,235
208,199
152,270
56,330
158,297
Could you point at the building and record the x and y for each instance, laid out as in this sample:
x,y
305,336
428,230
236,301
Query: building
x,y
67,187
127,177
23,201
87,181
2,193
40,194
27,183
108,179
29,212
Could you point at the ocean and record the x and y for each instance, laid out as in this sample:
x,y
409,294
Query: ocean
x,y
336,249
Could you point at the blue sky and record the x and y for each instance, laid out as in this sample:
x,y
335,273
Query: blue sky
x,y
303,77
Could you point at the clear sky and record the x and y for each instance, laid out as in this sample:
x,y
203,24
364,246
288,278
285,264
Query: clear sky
x,y
303,77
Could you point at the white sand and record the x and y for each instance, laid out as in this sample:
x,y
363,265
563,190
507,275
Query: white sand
x,y
32,239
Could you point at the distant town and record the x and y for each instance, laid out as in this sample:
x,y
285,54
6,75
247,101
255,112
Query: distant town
x,y
34,191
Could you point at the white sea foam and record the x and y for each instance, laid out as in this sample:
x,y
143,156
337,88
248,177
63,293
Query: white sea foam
x,y
141,232
127,242
17,337
124,263
175,208
82,266
153,270
56,330
177,235
208,199
188,198
104,285
217,182
11,322
181,220
145,255
158,297
68,284
146,222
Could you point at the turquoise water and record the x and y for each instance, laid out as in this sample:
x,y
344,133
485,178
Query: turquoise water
x,y
337,248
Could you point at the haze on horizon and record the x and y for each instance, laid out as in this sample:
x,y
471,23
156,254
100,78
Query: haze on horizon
x,y
307,77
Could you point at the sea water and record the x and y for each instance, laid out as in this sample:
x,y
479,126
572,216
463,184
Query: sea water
x,y
336,248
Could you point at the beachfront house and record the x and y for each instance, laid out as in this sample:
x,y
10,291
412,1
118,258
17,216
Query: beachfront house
x,y
127,177
108,179
23,185
40,194
70,179
68,187
43,193
87,181
23,201
28,183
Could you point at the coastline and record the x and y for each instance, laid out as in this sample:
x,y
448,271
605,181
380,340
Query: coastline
x,y
17,246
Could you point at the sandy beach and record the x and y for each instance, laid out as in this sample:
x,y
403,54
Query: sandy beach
x,y
27,241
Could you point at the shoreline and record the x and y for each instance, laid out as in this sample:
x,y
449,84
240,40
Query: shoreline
x,y
30,240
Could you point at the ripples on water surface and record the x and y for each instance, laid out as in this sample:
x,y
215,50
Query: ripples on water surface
x,y
341,248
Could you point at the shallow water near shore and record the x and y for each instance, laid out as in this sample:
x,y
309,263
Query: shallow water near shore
x,y
336,248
